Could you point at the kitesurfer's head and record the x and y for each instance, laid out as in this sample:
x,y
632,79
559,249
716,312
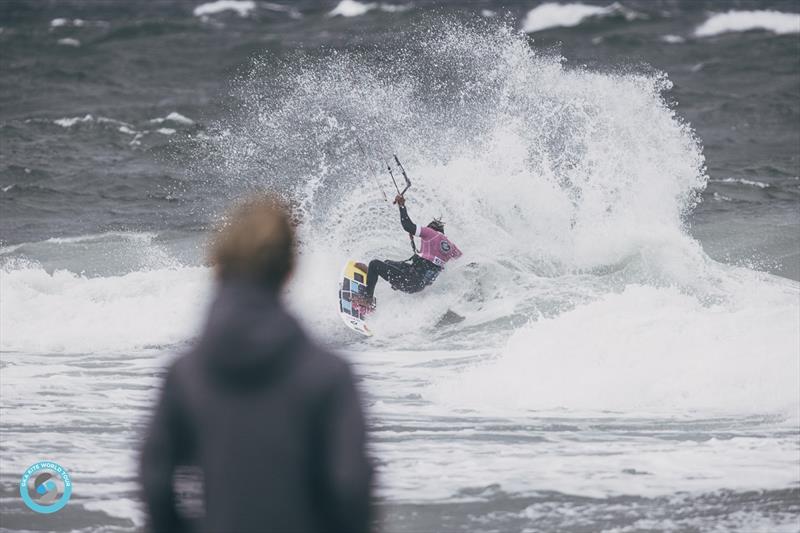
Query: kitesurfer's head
x,y
255,243
436,225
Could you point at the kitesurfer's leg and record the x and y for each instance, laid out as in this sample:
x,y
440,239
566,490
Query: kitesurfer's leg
x,y
376,268
403,276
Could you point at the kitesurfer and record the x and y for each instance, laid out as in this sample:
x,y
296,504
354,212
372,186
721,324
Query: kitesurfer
x,y
421,269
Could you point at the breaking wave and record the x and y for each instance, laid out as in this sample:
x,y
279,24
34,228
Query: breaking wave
x,y
566,188
738,21
553,15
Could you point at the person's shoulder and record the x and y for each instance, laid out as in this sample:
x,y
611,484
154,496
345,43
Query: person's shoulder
x,y
427,233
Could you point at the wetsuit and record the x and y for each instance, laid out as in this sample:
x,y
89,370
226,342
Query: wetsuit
x,y
419,271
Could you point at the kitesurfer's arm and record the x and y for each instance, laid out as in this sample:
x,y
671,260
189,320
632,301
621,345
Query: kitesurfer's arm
x,y
408,225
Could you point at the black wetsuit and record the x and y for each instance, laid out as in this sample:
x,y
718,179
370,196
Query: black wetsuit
x,y
411,275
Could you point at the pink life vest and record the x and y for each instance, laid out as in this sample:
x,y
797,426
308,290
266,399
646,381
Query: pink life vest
x,y
435,247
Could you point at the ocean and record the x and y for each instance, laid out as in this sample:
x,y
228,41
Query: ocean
x,y
623,179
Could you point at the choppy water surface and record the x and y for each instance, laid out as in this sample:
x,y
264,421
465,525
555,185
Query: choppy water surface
x,y
627,202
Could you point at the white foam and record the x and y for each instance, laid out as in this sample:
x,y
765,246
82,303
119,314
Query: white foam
x,y
144,237
177,117
43,312
137,139
141,237
648,350
739,21
553,15
291,11
69,122
488,13
584,462
565,180
673,39
166,131
721,197
107,120
118,507
241,7
68,41
60,22
395,8
173,117
751,183
352,8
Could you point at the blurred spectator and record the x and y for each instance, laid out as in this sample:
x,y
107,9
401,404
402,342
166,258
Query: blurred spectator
x,y
273,420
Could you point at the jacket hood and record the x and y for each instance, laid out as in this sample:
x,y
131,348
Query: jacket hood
x,y
249,337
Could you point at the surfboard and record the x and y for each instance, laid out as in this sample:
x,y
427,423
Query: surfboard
x,y
353,281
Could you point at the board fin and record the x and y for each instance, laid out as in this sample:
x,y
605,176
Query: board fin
x,y
449,318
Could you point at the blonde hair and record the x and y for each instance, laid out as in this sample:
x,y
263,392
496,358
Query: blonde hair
x,y
256,242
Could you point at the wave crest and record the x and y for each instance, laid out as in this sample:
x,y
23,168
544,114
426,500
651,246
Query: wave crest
x,y
739,21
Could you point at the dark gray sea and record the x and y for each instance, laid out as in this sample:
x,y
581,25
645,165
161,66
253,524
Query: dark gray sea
x,y
623,178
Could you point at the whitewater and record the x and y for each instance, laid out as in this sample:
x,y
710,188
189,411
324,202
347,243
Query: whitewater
x,y
608,372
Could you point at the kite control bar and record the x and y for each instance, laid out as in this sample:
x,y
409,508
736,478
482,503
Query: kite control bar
x,y
401,193
405,176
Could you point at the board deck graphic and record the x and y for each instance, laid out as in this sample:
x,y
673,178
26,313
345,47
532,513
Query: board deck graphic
x,y
353,281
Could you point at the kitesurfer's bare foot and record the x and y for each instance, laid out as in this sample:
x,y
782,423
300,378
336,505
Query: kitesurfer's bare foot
x,y
362,266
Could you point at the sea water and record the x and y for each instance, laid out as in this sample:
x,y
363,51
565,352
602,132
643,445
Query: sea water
x,y
630,354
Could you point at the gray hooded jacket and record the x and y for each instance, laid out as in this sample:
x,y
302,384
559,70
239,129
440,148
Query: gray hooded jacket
x,y
273,421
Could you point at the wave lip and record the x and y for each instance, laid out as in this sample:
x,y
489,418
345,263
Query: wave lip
x,y
60,22
672,39
740,21
144,237
241,7
293,12
173,117
69,122
552,15
352,8
741,181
